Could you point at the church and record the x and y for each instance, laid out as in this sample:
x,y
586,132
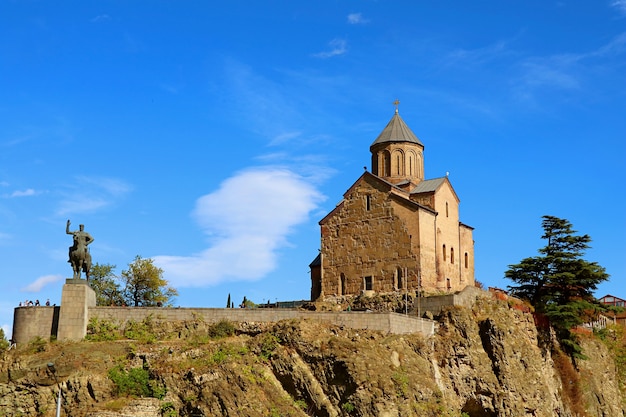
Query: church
x,y
394,231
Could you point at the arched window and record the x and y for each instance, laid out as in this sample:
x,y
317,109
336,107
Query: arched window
x,y
451,255
466,260
444,253
386,164
446,209
368,202
411,167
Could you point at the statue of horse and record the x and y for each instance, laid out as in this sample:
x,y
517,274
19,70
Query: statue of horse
x,y
80,258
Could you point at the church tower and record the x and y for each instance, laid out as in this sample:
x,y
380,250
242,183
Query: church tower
x,y
398,154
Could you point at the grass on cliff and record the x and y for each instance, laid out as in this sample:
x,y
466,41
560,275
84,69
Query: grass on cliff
x,y
614,337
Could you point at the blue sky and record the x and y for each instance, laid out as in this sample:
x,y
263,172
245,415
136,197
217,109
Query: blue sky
x,y
213,136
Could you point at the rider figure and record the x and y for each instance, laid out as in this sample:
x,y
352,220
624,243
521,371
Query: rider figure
x,y
80,236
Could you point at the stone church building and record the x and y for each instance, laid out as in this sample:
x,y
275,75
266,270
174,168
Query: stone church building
x,y
394,230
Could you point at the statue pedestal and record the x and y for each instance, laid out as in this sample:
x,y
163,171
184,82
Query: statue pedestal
x,y
76,299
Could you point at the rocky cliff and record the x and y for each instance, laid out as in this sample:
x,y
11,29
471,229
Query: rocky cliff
x,y
486,361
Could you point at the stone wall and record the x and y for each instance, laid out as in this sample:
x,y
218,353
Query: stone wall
x,y
435,304
384,322
31,322
367,238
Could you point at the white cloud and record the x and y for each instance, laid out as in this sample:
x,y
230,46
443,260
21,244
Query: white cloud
x,y
41,282
25,193
337,47
620,5
247,219
356,18
89,194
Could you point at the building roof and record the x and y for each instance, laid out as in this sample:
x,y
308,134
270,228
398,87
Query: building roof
x,y
317,261
428,186
396,131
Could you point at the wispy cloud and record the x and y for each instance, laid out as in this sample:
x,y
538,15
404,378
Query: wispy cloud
x,y
478,55
89,194
566,71
356,19
247,220
620,5
337,47
41,282
23,193
285,137
101,18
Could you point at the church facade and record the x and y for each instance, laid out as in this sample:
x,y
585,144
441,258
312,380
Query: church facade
x,y
394,231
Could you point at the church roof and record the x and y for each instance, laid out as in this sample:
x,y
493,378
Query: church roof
x,y
428,186
396,131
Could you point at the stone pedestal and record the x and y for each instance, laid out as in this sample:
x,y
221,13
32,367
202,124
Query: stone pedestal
x,y
76,299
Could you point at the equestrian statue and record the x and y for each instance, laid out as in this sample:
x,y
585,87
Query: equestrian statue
x,y
80,258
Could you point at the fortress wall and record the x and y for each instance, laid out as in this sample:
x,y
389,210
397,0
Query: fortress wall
x,y
385,322
30,322
465,298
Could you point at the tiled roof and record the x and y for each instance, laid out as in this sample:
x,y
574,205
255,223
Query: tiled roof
x,y
396,131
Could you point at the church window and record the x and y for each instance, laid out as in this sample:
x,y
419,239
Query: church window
x,y
446,209
342,284
448,283
451,255
398,165
445,257
368,202
386,164
368,283
466,260
399,279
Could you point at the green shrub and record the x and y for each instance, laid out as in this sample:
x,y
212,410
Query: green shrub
x,y
135,382
268,345
37,344
142,331
222,328
168,410
401,380
347,407
102,330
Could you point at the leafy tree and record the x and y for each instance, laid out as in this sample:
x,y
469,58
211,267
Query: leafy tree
x,y
4,343
104,282
559,282
145,286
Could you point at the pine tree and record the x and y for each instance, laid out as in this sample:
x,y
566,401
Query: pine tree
x,y
559,282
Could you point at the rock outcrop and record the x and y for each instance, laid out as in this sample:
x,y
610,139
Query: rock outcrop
x,y
486,361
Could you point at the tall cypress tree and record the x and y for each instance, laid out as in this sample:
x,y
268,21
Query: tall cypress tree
x,y
559,282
